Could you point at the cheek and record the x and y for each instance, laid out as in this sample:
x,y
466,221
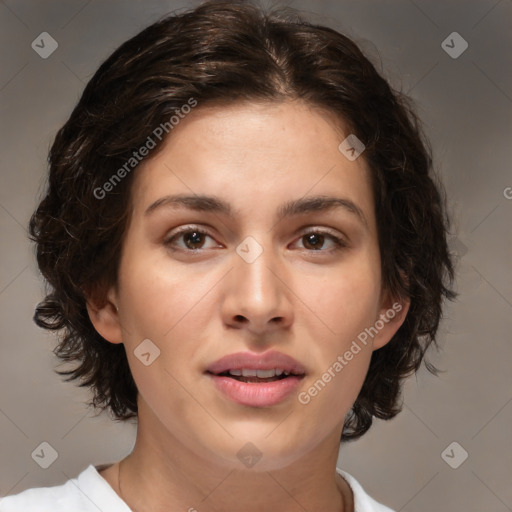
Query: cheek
x,y
346,299
159,303
341,366
157,294
347,303
170,305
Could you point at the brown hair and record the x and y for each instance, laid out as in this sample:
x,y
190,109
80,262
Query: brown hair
x,y
232,51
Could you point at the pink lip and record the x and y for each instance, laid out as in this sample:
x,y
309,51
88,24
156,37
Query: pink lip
x,y
256,394
249,360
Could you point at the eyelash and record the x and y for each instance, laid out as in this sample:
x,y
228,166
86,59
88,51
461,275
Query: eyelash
x,y
339,242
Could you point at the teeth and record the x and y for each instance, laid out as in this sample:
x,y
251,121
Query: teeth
x,y
249,373
261,374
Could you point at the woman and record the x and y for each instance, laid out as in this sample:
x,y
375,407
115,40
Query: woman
x,y
246,248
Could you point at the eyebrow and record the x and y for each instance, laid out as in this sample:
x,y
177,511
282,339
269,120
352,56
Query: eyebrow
x,y
212,204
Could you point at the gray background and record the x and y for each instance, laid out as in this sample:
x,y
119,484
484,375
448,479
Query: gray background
x,y
466,105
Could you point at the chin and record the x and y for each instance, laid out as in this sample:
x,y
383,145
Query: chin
x,y
261,452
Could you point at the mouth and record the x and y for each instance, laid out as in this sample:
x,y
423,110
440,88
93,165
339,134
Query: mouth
x,y
258,376
256,380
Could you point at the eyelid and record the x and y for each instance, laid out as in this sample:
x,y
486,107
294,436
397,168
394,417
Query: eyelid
x,y
339,239
323,231
185,229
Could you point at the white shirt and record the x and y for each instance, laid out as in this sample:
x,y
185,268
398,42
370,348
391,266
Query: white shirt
x,y
90,492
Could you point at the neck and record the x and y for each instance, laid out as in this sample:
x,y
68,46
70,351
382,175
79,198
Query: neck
x,y
161,475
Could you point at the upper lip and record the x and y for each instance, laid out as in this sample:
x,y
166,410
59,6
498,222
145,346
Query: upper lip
x,y
251,361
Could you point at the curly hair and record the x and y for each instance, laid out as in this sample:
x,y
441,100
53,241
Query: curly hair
x,y
227,52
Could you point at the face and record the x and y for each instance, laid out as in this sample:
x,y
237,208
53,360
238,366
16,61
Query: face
x,y
259,270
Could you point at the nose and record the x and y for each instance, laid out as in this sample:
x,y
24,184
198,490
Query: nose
x,y
258,295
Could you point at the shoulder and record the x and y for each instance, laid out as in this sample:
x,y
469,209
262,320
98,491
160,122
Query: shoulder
x,y
363,502
88,492
46,499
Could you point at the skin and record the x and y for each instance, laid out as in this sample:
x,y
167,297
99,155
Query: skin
x,y
306,301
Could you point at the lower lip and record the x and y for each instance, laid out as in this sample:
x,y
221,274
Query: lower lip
x,y
256,394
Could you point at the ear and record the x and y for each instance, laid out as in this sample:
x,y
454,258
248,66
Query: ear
x,y
391,316
105,317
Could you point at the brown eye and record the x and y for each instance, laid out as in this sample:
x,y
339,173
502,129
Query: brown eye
x,y
193,239
315,241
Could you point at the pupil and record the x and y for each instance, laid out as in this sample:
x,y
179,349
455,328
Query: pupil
x,y
314,239
193,238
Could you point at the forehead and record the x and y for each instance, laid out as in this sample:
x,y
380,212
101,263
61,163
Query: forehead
x,y
254,152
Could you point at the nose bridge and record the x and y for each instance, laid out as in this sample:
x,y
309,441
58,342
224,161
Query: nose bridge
x,y
255,264
256,291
